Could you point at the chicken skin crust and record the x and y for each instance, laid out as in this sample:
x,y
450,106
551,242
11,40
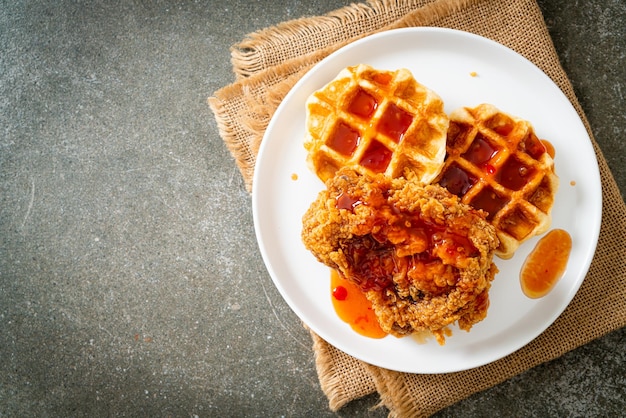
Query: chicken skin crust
x,y
423,259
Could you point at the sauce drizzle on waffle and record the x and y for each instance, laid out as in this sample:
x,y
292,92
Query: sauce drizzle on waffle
x,y
376,121
496,163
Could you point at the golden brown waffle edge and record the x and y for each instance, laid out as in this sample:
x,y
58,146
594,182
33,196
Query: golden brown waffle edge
x,y
496,162
376,121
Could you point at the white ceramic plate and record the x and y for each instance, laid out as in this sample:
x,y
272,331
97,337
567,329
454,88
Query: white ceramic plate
x,y
443,60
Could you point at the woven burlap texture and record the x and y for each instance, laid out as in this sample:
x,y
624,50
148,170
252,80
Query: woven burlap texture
x,y
269,62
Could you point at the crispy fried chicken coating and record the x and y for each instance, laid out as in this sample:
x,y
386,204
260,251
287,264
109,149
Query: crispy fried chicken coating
x,y
423,258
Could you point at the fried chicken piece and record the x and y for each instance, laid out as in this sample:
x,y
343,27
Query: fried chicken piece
x,y
423,258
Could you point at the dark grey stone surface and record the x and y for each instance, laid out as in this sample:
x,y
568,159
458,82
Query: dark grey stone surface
x,y
130,280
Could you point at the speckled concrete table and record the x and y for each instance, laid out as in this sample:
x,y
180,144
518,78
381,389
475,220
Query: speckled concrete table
x,y
130,279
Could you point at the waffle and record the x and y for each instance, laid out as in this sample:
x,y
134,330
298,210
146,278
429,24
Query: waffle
x,y
376,122
495,162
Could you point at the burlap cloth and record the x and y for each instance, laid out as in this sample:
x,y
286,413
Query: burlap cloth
x,y
268,63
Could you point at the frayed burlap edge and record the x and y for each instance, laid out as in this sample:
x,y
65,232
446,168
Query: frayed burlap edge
x,y
282,42
333,381
242,112
328,32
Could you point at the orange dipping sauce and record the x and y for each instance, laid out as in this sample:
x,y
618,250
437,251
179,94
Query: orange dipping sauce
x,y
353,307
546,264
